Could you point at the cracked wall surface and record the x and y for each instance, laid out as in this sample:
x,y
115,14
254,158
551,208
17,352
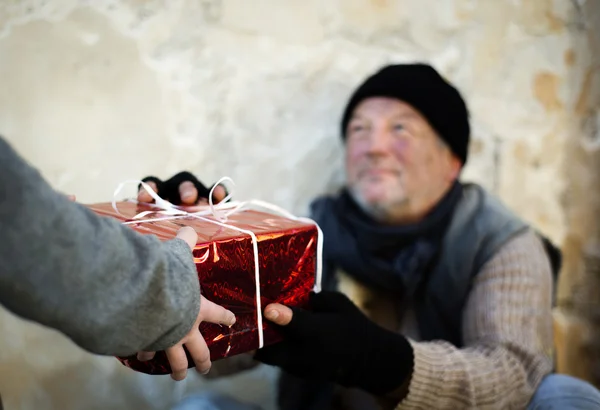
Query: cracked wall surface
x,y
97,92
578,320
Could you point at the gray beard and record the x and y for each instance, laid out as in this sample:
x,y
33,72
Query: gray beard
x,y
380,213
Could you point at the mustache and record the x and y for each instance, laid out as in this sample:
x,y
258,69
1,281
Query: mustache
x,y
376,169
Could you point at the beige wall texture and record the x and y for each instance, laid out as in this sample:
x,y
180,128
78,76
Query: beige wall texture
x,y
97,92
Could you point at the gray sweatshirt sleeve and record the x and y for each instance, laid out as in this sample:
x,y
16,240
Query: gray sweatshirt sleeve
x,y
110,289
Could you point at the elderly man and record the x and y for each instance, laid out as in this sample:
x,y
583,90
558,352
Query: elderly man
x,y
452,292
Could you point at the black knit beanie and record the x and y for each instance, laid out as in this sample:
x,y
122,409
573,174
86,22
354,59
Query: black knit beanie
x,y
422,87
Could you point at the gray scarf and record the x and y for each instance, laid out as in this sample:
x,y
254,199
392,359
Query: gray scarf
x,y
387,258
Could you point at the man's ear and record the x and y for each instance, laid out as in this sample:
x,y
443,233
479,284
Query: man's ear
x,y
454,167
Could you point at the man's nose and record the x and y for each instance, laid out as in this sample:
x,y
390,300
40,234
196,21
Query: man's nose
x,y
379,141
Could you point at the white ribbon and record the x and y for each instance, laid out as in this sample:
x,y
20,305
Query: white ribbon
x,y
221,212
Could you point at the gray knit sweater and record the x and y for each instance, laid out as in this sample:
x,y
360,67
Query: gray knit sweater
x,y
111,290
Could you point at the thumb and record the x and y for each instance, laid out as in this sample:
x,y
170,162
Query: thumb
x,y
279,314
292,320
189,235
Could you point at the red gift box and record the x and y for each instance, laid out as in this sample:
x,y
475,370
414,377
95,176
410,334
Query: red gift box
x,y
224,256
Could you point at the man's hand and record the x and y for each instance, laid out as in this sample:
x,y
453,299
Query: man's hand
x,y
182,189
193,341
335,342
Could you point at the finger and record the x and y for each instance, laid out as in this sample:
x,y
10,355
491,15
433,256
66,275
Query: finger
x,y
71,198
143,195
155,184
198,349
178,362
295,322
279,314
213,313
145,356
189,235
188,193
219,193
172,192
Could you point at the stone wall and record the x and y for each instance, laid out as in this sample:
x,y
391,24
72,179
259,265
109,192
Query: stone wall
x,y
96,92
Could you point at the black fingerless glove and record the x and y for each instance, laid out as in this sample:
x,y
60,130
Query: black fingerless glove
x,y
335,342
169,189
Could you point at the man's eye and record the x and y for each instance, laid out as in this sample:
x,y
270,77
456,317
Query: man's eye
x,y
398,127
356,128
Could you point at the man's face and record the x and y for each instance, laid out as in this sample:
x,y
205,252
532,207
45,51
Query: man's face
x,y
397,166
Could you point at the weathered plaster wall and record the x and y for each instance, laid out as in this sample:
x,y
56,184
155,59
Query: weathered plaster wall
x,y
95,92
578,320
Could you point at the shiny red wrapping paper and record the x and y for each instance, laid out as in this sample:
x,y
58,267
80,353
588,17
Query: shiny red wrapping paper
x,y
225,261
